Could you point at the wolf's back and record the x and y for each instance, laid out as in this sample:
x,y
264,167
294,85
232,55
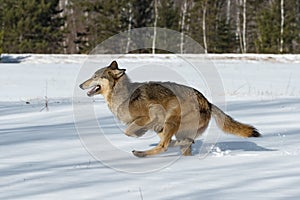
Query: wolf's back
x,y
229,125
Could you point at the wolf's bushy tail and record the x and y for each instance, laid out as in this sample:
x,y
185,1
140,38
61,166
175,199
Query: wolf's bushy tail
x,y
229,125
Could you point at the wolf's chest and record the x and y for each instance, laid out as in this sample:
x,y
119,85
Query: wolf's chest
x,y
120,109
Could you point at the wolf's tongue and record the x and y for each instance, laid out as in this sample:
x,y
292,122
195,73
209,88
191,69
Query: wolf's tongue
x,y
93,90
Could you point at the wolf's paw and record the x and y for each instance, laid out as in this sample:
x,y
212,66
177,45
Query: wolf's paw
x,y
139,154
158,128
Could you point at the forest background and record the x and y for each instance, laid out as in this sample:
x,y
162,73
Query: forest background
x,y
220,26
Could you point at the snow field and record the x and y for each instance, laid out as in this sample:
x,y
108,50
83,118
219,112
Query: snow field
x,y
42,156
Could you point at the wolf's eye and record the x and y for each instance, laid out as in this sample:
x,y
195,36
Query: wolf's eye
x,y
104,76
94,76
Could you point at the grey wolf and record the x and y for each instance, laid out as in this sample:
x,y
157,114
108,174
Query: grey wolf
x,y
170,109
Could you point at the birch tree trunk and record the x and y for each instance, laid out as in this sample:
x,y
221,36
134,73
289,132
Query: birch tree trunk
x,y
204,7
184,9
244,26
155,25
228,12
129,26
298,12
63,4
238,24
281,25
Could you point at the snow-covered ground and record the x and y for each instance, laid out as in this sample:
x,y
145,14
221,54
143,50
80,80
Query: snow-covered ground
x,y
43,156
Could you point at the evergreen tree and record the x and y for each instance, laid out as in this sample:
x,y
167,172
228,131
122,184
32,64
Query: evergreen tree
x,y
269,29
269,20
41,26
224,38
168,18
168,15
143,16
143,13
220,36
253,11
137,14
1,29
32,26
102,20
196,30
291,32
77,26
1,42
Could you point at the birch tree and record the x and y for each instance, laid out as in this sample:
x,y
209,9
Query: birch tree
x,y
155,25
204,7
244,26
130,16
238,24
228,12
183,12
281,25
241,35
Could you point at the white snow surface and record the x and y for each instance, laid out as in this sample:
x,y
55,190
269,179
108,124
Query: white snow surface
x,y
43,157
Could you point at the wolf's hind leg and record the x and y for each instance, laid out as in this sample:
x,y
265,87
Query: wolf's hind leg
x,y
185,146
186,150
183,142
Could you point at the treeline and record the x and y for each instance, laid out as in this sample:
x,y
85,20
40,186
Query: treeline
x,y
220,26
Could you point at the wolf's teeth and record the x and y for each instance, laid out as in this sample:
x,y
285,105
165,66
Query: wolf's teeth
x,y
93,90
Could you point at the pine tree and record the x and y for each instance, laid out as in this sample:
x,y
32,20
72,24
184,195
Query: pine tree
x,y
78,35
168,18
41,26
211,26
225,38
168,15
1,29
32,26
291,31
143,13
143,16
102,20
1,42
268,21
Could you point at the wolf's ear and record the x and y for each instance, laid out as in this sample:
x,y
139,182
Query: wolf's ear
x,y
113,65
117,73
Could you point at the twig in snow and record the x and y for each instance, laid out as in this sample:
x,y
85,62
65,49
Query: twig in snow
x,y
46,99
46,105
141,194
288,85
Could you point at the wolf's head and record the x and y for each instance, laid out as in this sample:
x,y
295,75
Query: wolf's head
x,y
103,79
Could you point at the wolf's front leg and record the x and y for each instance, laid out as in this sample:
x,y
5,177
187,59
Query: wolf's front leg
x,y
170,128
138,127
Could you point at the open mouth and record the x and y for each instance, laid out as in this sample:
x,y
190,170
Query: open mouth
x,y
94,90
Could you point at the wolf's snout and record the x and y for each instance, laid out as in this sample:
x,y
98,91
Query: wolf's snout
x,y
81,86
